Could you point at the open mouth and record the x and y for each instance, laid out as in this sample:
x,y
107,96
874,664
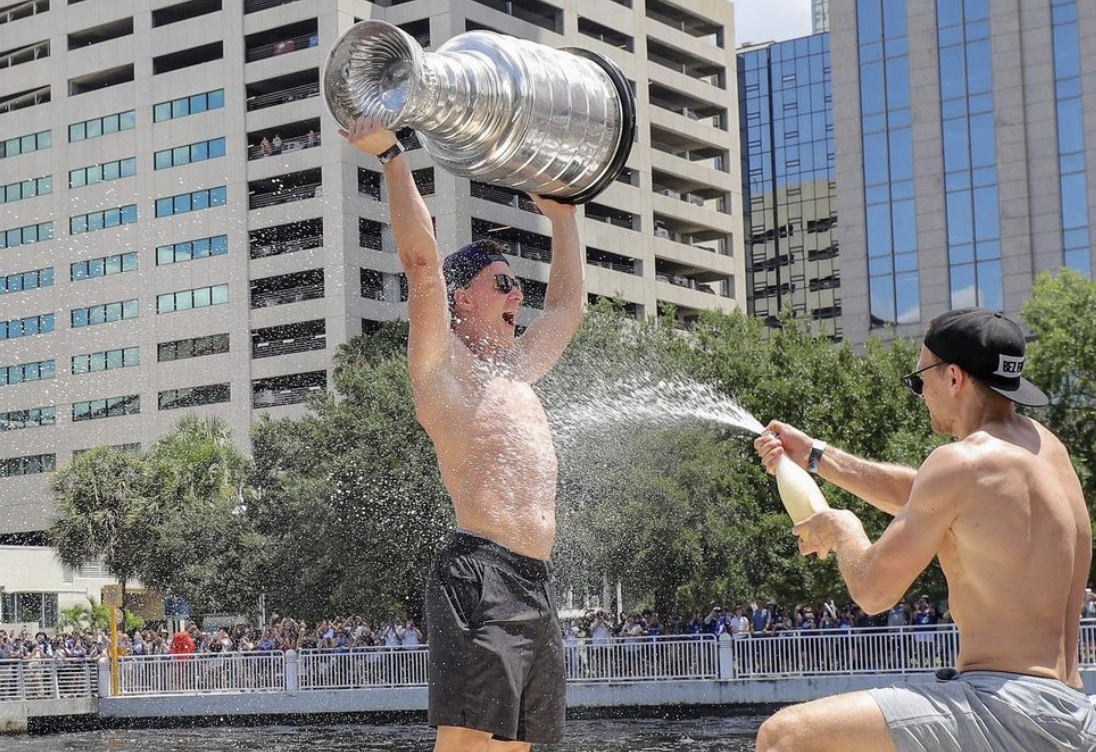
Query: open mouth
x,y
510,317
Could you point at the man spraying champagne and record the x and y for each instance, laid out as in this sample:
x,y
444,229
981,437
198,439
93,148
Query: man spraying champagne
x,y
1002,508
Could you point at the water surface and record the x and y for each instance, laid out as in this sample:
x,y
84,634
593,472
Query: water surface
x,y
705,734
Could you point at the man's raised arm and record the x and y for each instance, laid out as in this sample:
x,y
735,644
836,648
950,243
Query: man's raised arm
x,y
538,350
429,339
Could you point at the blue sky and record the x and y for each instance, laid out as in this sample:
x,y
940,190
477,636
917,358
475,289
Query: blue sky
x,y
775,20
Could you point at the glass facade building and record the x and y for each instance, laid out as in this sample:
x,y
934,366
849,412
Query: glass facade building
x,y
887,126
789,182
960,130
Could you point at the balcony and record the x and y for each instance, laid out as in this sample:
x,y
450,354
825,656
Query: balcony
x,y
285,139
685,22
292,389
506,196
608,260
688,107
369,183
285,189
282,90
370,234
23,99
123,74
174,61
287,238
184,11
281,41
689,149
609,215
514,241
691,278
26,54
287,288
605,35
23,10
695,236
288,339
693,66
97,35
254,6
532,11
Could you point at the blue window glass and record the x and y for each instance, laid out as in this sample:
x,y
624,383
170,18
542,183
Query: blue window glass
x,y
200,200
197,104
161,111
129,214
216,99
162,160
181,203
218,196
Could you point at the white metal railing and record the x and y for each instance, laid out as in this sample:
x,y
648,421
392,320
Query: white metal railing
x,y
642,659
305,91
795,653
47,679
360,668
273,198
282,47
285,146
213,673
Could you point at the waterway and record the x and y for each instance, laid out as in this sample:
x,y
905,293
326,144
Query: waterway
x,y
703,734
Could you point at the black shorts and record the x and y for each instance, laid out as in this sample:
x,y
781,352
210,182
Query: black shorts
x,y
496,649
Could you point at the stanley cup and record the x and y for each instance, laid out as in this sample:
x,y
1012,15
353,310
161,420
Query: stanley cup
x,y
491,107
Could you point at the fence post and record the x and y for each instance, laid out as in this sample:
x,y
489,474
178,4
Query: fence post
x,y
726,656
292,674
104,677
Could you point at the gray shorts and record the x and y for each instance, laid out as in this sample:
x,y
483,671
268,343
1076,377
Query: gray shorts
x,y
988,711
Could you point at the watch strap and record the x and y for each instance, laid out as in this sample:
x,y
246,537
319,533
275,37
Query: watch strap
x,y
390,153
817,448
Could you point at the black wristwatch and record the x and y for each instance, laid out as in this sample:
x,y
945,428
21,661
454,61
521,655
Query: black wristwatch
x,y
817,448
391,153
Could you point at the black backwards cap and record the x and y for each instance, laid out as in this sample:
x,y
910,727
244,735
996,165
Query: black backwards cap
x,y
461,266
987,346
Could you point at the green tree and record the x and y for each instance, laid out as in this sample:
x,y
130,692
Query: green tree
x,y
1062,361
104,511
206,549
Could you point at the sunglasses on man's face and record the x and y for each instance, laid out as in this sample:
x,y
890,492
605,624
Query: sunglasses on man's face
x,y
504,283
914,381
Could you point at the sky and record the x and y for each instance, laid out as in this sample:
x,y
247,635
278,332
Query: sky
x,y
771,20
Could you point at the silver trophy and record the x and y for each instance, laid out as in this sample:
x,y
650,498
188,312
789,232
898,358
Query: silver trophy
x,y
491,107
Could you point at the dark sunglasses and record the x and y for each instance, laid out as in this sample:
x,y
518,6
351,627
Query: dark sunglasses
x,y
914,381
504,283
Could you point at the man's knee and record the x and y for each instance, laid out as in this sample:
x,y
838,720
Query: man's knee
x,y
783,732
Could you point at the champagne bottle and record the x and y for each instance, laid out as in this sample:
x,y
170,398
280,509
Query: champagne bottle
x,y
798,491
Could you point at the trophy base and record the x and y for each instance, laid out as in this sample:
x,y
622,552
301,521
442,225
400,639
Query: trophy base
x,y
627,128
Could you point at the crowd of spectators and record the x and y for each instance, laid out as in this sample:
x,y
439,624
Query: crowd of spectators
x,y
759,618
281,635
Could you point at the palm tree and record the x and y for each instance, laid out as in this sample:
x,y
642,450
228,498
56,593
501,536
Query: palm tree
x,y
103,511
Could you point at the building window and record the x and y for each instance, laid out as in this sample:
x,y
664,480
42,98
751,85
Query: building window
x,y
136,448
102,267
21,281
970,155
31,608
122,121
199,297
191,249
188,202
18,236
100,173
35,417
13,147
11,192
192,105
29,465
111,407
26,327
107,360
1071,137
102,220
887,132
23,372
212,394
104,314
194,347
181,155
